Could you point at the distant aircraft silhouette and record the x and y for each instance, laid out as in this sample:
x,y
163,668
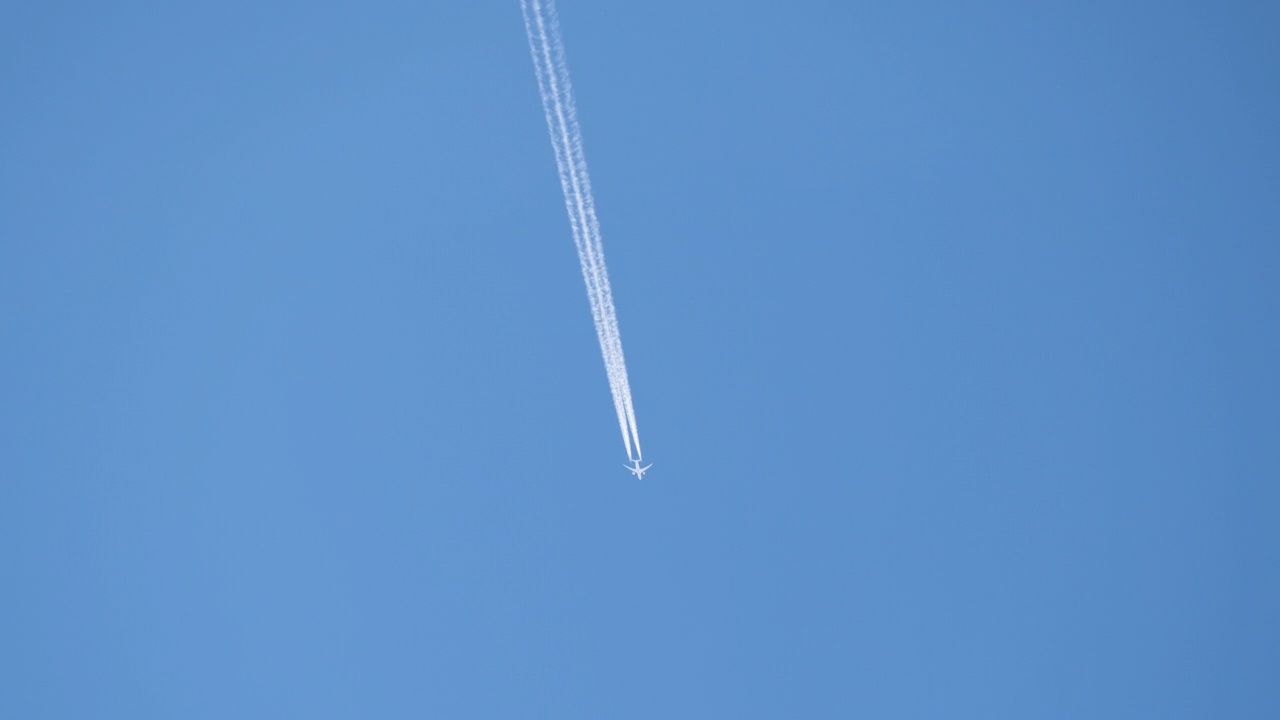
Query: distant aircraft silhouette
x,y
637,470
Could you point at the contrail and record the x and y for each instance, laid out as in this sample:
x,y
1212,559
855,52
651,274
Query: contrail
x,y
543,29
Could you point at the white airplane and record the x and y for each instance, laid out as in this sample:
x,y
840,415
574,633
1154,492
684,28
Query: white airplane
x,y
637,470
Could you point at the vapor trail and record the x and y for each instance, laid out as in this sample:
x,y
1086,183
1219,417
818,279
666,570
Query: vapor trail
x,y
543,29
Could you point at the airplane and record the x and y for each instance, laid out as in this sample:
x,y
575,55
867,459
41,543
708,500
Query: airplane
x,y
637,470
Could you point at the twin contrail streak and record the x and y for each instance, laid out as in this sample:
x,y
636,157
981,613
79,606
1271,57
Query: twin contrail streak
x,y
543,28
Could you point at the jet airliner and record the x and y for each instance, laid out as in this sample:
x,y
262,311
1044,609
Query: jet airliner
x,y
637,470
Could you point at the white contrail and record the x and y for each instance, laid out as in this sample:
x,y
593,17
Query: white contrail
x,y
543,29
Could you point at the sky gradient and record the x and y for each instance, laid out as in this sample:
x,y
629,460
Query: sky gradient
x,y
952,333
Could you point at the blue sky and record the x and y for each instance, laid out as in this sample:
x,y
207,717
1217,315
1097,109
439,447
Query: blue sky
x,y
951,329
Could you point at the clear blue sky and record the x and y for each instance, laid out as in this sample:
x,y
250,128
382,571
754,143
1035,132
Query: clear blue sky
x,y
952,329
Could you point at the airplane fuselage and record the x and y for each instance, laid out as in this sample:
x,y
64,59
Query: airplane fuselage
x,y
637,470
